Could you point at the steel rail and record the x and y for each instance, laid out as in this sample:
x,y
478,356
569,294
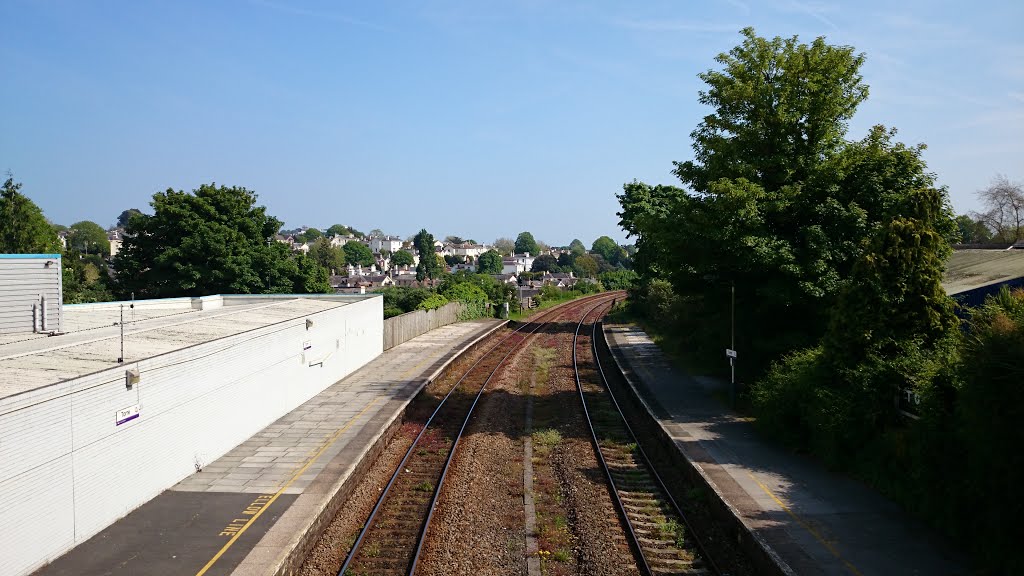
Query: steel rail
x,y
634,540
387,489
694,535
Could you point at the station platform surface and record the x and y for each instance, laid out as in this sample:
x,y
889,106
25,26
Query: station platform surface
x,y
241,514
811,521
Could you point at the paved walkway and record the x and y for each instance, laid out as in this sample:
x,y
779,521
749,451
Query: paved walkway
x,y
246,512
813,521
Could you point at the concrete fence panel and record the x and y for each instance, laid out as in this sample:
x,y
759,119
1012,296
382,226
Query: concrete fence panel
x,y
399,329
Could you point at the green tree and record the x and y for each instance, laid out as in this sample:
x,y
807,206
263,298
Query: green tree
x,y
89,238
779,108
23,229
545,263
453,240
312,234
402,258
339,230
213,240
577,247
310,277
585,266
357,253
489,263
971,231
525,243
608,249
428,266
125,216
618,279
327,256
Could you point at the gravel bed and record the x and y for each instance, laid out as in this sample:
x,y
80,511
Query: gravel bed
x,y
330,551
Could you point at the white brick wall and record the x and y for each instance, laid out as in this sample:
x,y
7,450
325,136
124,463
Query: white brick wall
x,y
67,471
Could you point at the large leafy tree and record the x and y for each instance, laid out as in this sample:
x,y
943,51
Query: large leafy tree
x,y
88,237
526,243
428,266
23,229
402,258
357,253
213,240
609,250
545,263
489,263
778,204
329,257
971,231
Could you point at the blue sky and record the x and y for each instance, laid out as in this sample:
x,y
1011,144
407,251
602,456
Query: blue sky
x,y
479,119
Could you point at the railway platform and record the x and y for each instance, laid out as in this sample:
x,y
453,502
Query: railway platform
x,y
805,518
248,512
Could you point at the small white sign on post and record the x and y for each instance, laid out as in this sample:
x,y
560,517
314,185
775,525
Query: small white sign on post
x,y
730,353
126,414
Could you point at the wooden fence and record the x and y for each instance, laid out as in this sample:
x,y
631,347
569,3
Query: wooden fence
x,y
398,329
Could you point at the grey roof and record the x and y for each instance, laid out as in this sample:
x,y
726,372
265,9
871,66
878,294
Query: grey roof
x,y
970,269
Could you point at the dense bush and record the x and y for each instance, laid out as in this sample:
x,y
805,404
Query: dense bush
x,y
433,302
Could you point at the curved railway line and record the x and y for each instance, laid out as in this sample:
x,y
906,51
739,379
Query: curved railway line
x,y
392,537
662,539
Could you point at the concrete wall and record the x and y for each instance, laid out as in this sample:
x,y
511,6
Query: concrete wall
x,y
68,469
398,329
24,280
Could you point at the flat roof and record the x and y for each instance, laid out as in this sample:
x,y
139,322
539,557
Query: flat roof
x,y
92,339
970,269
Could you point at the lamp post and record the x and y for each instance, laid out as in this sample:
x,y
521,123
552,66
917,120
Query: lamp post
x,y
732,344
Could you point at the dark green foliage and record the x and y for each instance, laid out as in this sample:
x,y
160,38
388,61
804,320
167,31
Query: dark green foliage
x,y
88,238
453,260
545,263
971,231
342,230
213,240
526,243
84,278
125,216
403,298
489,263
577,247
23,229
357,253
428,266
609,250
311,278
402,258
585,266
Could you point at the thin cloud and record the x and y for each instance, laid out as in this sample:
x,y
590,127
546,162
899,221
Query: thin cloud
x,y
318,14
816,10
678,26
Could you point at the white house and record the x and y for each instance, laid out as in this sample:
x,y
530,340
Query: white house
x,y
517,263
380,244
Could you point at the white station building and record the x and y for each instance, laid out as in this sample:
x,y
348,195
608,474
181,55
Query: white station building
x,y
104,406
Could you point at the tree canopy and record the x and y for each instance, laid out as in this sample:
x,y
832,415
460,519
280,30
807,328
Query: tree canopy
x,y
577,247
358,254
1003,201
525,243
505,246
125,216
23,229
88,237
545,263
331,258
609,250
402,258
213,240
428,266
489,263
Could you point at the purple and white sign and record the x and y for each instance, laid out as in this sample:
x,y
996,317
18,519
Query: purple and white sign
x,y
126,414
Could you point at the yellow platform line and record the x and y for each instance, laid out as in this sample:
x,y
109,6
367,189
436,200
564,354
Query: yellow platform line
x,y
291,480
817,536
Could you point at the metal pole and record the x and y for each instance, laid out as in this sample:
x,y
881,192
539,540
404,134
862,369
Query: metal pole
x,y
732,340
121,358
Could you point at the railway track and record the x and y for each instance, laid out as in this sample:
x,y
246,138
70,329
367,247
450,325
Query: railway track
x,y
660,536
392,537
